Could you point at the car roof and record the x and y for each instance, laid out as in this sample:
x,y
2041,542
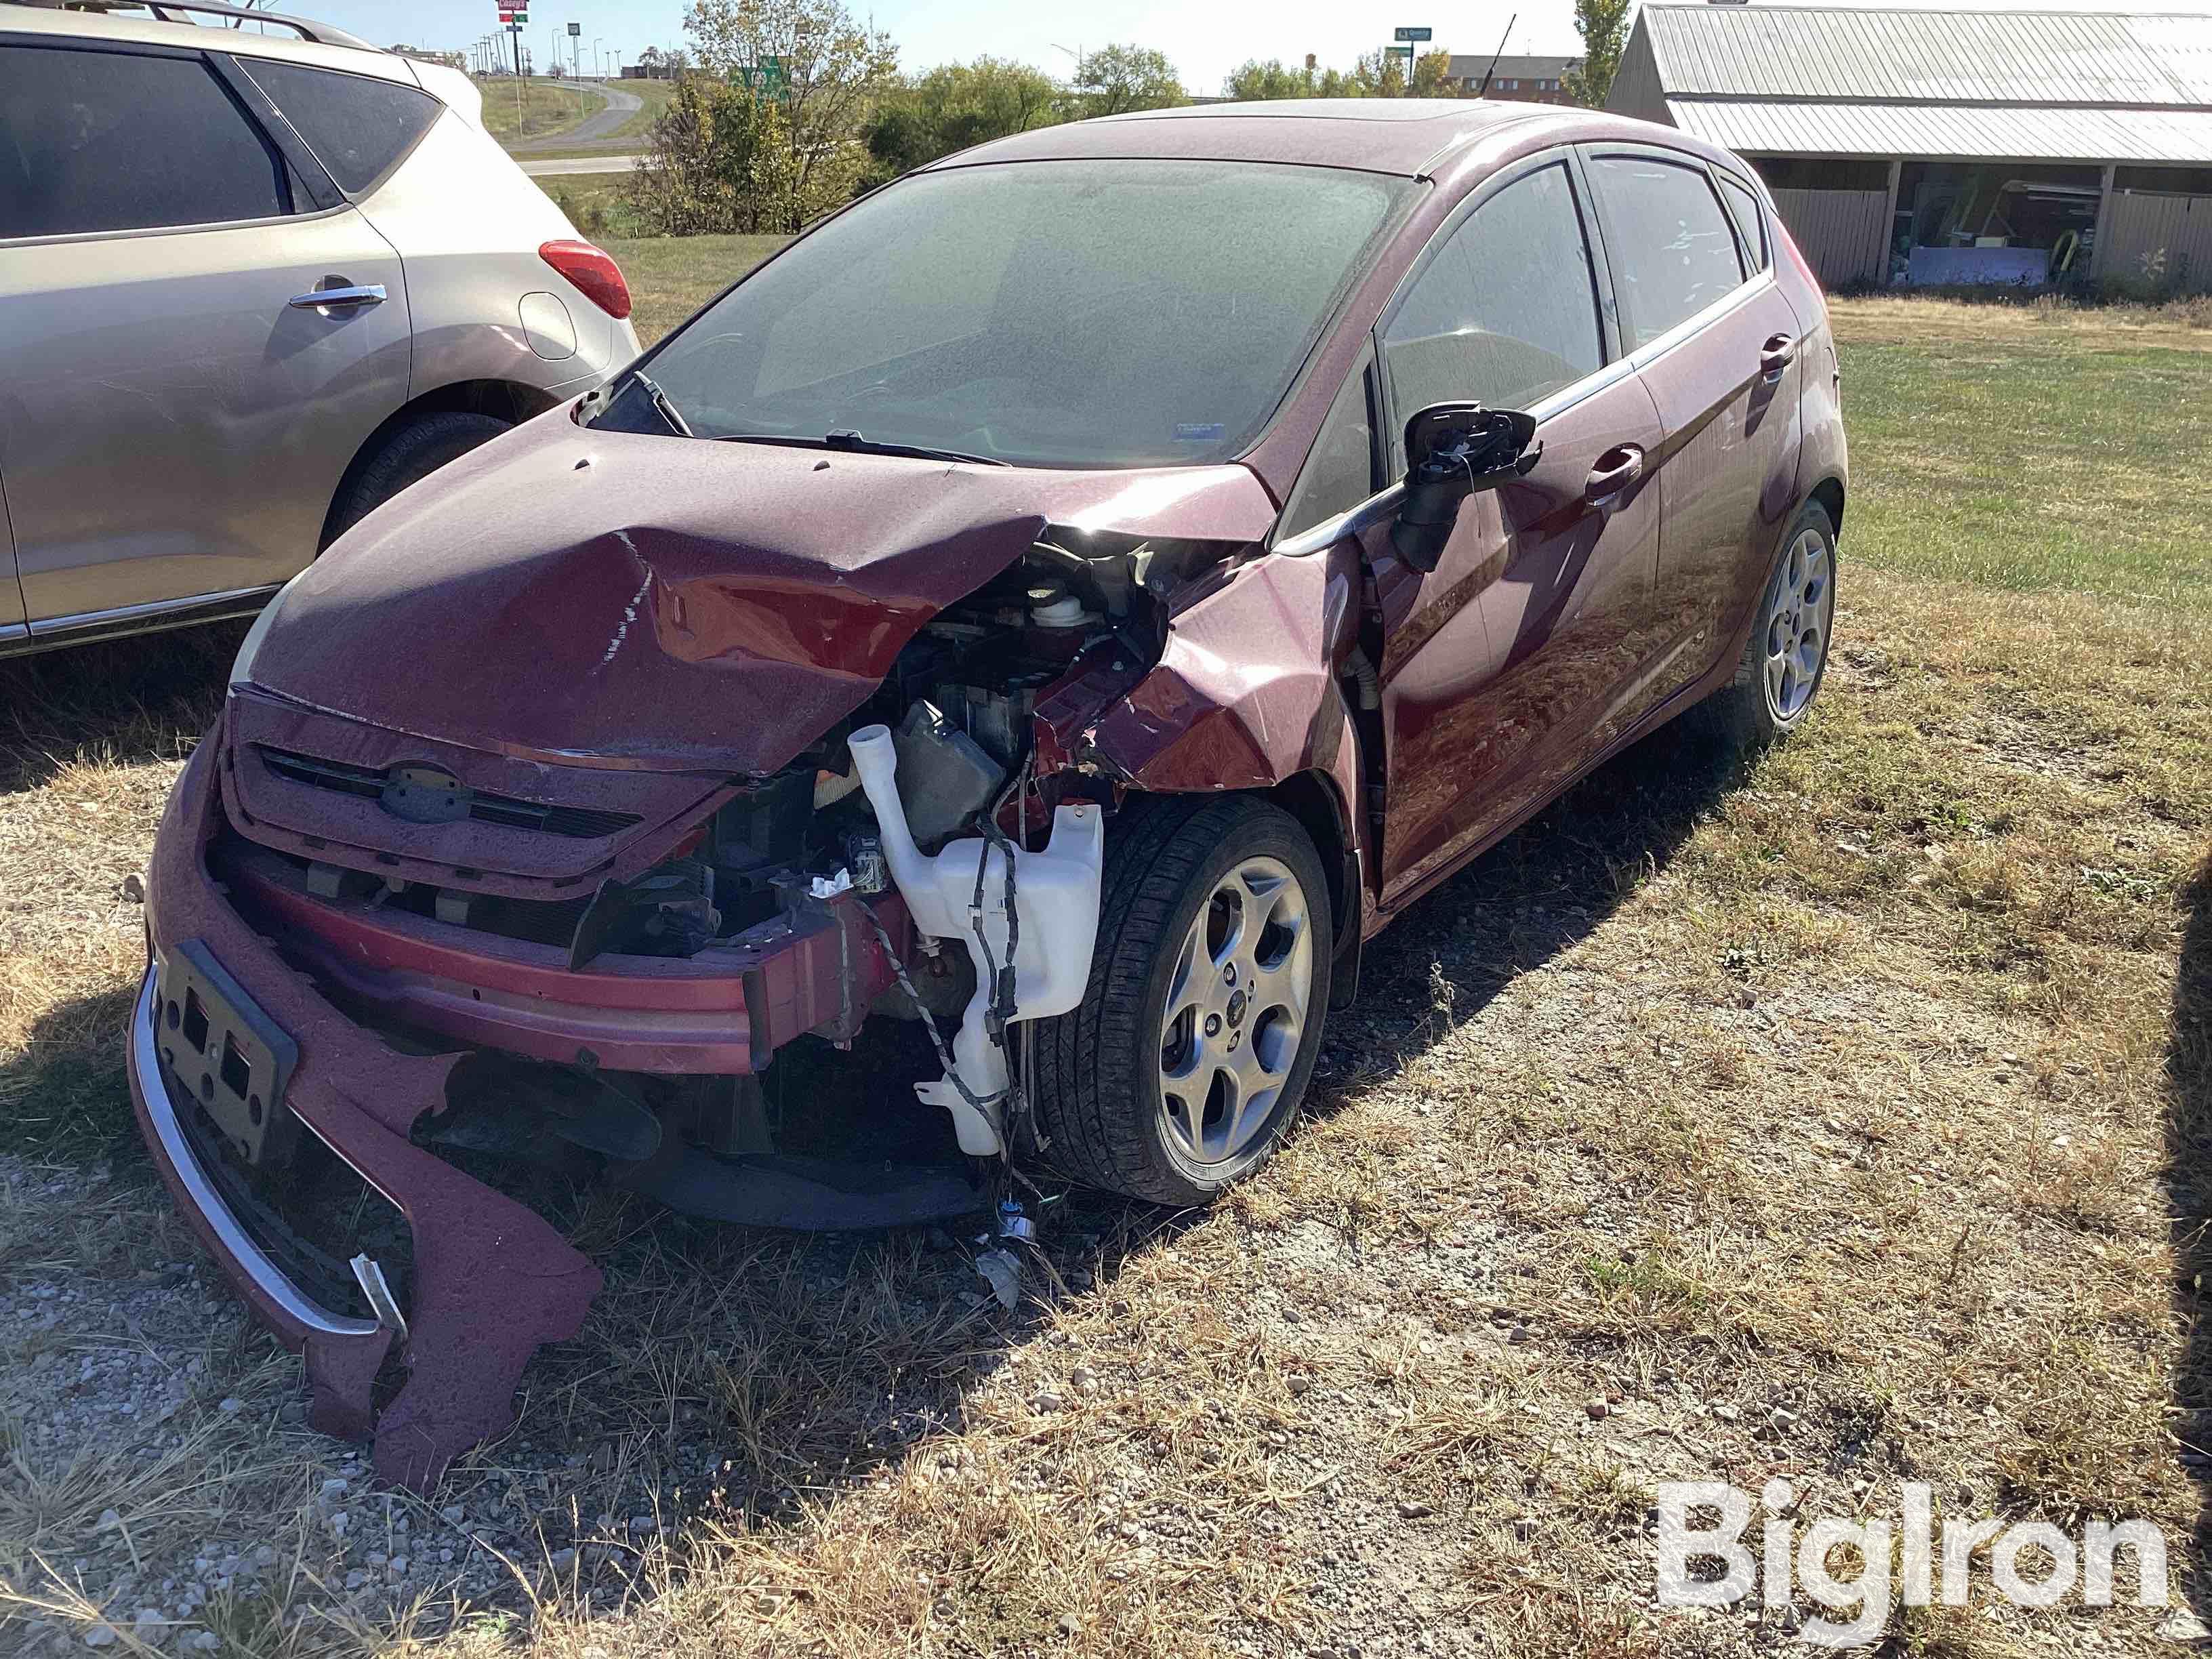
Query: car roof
x,y
23,17
1404,136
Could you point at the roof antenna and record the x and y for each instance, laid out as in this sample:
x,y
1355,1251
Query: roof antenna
x,y
1495,56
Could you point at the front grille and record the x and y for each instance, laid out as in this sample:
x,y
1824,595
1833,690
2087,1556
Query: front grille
x,y
577,822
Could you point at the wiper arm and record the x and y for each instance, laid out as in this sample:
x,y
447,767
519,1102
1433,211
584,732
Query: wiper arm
x,y
667,411
853,442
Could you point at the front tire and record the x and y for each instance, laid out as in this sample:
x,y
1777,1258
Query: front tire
x,y
1187,1060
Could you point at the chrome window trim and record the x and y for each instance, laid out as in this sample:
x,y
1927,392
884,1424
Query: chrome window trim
x,y
65,238
14,633
1329,531
161,1113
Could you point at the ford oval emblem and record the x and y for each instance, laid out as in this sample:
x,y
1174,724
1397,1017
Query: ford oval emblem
x,y
425,795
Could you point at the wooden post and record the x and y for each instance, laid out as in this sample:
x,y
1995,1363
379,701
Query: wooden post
x,y
2097,266
1889,218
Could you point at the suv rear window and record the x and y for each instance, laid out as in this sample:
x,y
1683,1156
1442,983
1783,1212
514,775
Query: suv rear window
x,y
359,127
106,141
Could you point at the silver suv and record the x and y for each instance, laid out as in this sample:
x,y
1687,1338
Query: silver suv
x,y
250,286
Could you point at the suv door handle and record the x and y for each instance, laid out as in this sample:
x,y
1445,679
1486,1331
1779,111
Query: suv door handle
x,y
1618,468
1776,354
366,293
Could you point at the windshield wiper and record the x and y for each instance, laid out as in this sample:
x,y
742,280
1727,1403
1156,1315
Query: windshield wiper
x,y
858,444
661,406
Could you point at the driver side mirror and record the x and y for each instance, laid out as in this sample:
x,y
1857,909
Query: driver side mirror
x,y
1453,450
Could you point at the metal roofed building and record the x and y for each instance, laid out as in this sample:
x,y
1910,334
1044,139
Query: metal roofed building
x,y
1917,146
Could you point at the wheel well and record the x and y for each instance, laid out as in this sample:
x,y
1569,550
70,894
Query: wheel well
x,y
1829,493
504,398
1311,799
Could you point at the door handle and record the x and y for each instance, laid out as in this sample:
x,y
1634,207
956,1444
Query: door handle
x,y
1618,468
1776,354
363,294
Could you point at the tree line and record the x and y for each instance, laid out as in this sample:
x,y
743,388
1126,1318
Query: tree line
x,y
783,109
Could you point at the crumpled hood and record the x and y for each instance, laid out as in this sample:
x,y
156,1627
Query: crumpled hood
x,y
626,600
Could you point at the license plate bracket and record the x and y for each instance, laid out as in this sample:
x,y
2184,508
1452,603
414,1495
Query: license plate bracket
x,y
226,1054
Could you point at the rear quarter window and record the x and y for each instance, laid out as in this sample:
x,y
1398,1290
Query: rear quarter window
x,y
1745,206
359,127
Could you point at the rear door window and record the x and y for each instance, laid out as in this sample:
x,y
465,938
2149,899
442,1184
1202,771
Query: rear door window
x,y
112,141
1672,251
358,126
1506,313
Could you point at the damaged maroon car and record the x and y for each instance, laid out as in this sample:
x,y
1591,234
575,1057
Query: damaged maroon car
x,y
1061,607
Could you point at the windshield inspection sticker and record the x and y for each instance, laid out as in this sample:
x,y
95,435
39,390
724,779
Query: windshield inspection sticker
x,y
1199,432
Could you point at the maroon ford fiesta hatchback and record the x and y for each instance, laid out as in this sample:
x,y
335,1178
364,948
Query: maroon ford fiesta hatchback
x,y
1031,631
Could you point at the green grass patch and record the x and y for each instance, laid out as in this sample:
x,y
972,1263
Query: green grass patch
x,y
671,276
2075,460
541,111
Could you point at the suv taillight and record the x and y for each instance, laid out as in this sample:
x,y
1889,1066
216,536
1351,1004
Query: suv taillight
x,y
594,271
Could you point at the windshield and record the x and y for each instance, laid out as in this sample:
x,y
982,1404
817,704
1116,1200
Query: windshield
x,y
1048,313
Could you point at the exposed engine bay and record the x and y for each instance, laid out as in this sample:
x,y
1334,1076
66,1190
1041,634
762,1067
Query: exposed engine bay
x,y
915,858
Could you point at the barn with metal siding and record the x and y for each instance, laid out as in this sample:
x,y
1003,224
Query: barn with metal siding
x,y
1909,147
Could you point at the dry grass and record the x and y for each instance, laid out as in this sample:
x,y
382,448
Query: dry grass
x,y
1844,1117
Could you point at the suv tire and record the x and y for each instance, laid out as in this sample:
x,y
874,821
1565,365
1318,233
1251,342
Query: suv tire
x,y
1222,905
407,456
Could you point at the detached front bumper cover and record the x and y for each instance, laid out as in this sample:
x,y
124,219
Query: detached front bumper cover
x,y
492,1281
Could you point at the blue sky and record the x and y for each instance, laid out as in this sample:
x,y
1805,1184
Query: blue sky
x,y
1205,41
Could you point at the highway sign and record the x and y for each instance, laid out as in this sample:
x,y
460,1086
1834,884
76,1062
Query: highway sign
x,y
1414,34
766,78
1405,53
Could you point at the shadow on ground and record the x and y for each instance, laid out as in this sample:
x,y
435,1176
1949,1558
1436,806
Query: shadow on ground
x,y
141,699
739,1373
2189,1192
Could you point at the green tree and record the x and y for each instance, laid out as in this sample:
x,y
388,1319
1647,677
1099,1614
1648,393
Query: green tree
x,y
1254,81
832,70
953,107
1113,79
693,179
1431,70
1603,25
1378,73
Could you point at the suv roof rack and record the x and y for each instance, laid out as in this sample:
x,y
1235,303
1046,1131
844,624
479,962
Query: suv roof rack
x,y
323,34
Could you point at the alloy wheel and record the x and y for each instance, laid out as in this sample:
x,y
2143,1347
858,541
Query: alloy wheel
x,y
1237,1007
1797,625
